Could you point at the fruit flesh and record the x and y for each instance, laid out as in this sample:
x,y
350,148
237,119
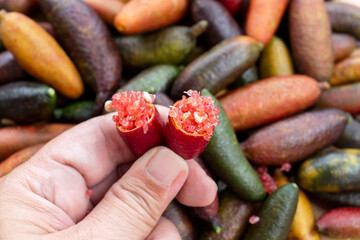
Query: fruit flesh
x,y
133,109
196,114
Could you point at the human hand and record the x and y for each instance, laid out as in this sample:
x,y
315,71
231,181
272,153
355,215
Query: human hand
x,y
48,198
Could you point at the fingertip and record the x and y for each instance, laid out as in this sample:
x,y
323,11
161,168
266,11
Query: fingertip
x,y
165,166
164,230
199,189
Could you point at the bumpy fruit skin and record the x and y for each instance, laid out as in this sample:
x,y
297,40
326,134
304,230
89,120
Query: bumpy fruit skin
x,y
140,140
233,214
343,45
276,215
294,138
332,172
38,53
75,112
155,79
268,100
225,158
249,76
310,37
86,38
351,135
26,102
22,6
345,97
351,199
346,71
221,24
139,16
9,68
303,225
276,60
107,11
169,45
340,223
263,18
179,217
237,55
344,18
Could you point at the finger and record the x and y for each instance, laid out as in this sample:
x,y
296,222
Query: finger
x,y
163,112
164,230
137,201
93,148
100,189
199,189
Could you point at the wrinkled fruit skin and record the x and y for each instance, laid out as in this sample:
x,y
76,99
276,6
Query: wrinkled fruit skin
x,y
237,55
340,223
333,172
268,100
310,37
89,43
345,97
346,71
263,18
178,216
221,24
39,54
233,215
343,45
139,16
225,158
276,60
295,138
344,18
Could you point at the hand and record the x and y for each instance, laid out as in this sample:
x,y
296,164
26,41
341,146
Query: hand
x,y
48,198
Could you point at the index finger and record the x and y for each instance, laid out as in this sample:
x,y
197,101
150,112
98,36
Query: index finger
x,y
94,148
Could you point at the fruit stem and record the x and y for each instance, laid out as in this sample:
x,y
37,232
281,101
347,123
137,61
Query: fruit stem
x,y
199,28
215,223
324,86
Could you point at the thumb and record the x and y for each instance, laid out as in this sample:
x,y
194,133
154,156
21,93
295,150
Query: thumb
x,y
133,205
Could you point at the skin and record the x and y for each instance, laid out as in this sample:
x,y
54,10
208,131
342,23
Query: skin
x,y
268,100
41,56
302,227
139,16
106,11
46,197
310,38
264,18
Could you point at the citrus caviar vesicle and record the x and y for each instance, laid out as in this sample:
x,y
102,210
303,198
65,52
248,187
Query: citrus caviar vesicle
x,y
196,114
133,109
190,125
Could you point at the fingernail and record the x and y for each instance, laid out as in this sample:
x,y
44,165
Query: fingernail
x,y
165,166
